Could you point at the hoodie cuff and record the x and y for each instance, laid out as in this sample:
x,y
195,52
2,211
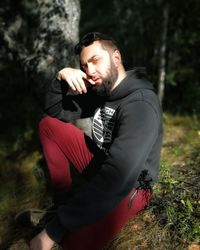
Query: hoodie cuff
x,y
55,230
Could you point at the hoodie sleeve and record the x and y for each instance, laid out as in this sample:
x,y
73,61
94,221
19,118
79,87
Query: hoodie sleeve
x,y
67,106
137,132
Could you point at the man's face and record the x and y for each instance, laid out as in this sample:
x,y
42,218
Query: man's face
x,y
99,66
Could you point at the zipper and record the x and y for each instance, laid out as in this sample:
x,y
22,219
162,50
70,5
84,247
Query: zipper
x,y
132,198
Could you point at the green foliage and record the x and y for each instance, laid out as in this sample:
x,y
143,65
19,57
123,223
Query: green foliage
x,y
178,205
177,201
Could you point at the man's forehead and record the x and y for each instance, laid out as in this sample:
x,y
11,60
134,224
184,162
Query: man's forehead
x,y
90,50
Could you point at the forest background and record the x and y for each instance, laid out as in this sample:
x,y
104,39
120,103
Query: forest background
x,y
37,39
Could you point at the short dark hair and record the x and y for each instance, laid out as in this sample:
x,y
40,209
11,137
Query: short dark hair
x,y
89,38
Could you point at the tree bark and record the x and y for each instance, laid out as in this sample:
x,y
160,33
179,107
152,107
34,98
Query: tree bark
x,y
57,34
49,45
162,64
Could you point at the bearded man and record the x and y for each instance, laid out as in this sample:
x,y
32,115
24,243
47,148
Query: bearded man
x,y
120,163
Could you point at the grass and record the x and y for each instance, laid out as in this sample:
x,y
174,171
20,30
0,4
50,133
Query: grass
x,y
171,221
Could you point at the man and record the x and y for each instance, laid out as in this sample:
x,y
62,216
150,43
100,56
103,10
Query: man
x,y
120,162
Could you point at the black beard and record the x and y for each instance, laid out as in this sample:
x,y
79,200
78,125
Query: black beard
x,y
104,89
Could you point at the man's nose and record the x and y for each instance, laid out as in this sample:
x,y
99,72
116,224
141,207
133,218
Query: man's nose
x,y
90,69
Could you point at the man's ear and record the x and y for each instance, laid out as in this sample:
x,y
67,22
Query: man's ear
x,y
117,58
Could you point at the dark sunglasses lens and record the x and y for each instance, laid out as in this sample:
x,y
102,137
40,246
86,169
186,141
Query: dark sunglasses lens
x,y
88,39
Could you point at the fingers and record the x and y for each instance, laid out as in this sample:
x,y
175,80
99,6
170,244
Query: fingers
x,y
74,78
90,81
77,83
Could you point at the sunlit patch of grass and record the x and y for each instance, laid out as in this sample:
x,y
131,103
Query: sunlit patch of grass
x,y
177,198
176,203
181,134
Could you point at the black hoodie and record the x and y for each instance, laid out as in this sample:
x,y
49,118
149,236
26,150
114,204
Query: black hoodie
x,y
127,127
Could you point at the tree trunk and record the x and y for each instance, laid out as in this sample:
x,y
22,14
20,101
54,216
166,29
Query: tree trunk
x,y
49,29
162,64
48,43
57,34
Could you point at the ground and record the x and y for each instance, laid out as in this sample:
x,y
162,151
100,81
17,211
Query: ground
x,y
171,221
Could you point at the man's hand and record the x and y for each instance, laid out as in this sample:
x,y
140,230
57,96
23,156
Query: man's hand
x,y
76,79
42,242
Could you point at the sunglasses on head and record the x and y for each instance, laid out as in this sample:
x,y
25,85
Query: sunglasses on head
x,y
89,39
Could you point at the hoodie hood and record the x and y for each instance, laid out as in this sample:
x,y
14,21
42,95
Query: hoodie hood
x,y
134,80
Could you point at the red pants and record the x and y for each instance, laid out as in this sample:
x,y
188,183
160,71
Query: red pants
x,y
63,145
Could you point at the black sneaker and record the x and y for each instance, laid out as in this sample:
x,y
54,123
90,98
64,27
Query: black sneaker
x,y
34,217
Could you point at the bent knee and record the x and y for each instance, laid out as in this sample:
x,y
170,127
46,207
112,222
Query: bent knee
x,y
49,123
46,122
